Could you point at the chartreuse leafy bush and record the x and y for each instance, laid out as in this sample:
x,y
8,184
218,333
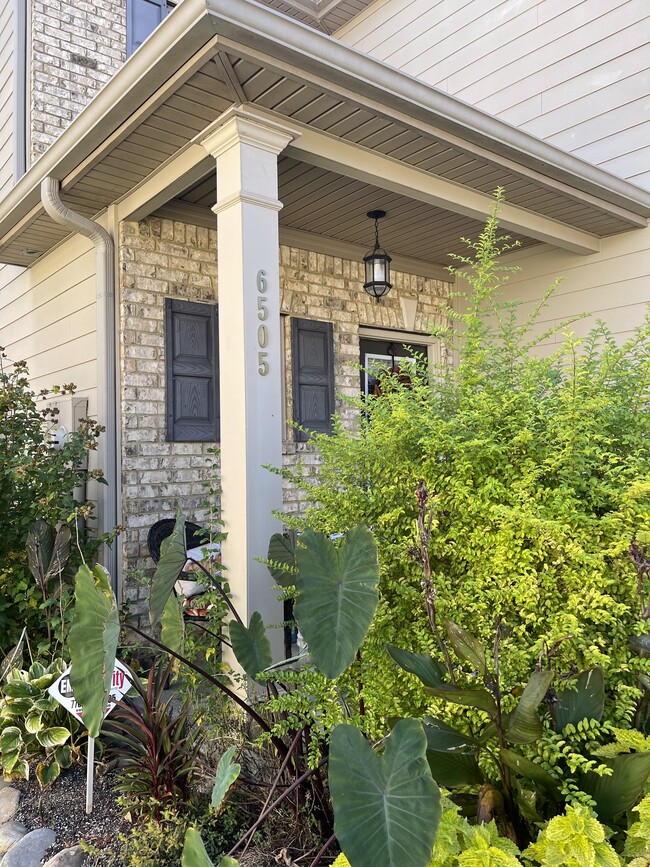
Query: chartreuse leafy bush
x,y
535,456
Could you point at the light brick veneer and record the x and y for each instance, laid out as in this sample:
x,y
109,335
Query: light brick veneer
x,y
78,45
161,258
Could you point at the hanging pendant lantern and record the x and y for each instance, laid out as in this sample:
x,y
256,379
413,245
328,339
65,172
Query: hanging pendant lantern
x,y
377,264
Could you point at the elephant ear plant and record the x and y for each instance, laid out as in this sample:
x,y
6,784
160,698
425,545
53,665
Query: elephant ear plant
x,y
386,804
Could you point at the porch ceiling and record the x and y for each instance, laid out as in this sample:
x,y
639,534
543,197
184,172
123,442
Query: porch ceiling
x,y
241,52
327,204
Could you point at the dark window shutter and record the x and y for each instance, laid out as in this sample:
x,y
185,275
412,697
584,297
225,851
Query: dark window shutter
x,y
192,371
142,18
313,376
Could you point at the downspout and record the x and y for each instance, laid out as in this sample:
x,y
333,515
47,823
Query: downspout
x,y
106,385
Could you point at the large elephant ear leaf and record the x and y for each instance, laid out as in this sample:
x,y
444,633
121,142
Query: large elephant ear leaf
x,y
386,807
194,854
524,724
251,645
585,699
92,643
282,557
619,792
172,624
173,555
336,596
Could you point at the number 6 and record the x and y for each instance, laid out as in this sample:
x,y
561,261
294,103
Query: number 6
x,y
261,281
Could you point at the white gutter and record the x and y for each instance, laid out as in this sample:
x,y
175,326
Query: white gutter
x,y
106,372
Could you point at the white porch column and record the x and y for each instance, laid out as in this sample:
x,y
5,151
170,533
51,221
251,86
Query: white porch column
x,y
246,151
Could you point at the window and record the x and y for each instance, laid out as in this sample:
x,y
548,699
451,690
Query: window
x,y
313,376
142,18
191,371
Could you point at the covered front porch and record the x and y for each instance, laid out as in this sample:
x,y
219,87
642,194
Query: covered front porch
x,y
234,159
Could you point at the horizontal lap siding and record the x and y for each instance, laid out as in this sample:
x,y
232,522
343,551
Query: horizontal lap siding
x,y
573,72
611,285
47,318
7,77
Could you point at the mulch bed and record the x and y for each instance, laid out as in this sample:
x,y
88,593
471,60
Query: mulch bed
x,y
62,807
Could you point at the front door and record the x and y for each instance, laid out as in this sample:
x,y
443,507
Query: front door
x,y
379,356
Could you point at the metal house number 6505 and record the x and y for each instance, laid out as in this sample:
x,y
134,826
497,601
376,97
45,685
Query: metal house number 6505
x,y
262,329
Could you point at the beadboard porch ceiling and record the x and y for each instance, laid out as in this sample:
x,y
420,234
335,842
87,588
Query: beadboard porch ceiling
x,y
145,124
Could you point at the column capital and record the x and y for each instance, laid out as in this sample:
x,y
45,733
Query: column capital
x,y
241,126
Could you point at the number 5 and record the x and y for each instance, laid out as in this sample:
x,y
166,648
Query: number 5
x,y
262,310
263,368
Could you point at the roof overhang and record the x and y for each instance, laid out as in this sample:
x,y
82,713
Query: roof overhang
x,y
241,51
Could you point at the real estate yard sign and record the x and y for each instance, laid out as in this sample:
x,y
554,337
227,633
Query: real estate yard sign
x,y
62,691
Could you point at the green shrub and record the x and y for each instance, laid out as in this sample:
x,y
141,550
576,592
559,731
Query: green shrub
x,y
36,482
539,473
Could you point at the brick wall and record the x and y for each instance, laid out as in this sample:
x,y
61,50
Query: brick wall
x,y
77,46
162,258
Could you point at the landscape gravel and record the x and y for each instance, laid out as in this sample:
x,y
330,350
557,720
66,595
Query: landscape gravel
x,y
62,807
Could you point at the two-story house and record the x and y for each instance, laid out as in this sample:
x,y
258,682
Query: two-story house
x,y
184,199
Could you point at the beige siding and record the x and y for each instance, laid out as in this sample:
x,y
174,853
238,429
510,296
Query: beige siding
x,y
611,285
47,318
7,74
573,72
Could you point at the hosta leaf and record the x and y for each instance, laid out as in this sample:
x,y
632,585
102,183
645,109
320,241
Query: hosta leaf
x,y
20,770
282,551
251,645
53,737
585,701
172,624
47,772
10,739
386,807
36,670
451,755
466,646
227,861
336,596
227,773
619,792
524,724
20,689
9,760
44,682
422,665
173,556
33,722
17,707
92,643
194,854
63,755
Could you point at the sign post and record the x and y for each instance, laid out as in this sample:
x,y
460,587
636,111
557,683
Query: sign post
x,y
62,691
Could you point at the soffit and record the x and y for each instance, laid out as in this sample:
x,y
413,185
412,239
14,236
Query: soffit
x,y
132,151
324,16
328,204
